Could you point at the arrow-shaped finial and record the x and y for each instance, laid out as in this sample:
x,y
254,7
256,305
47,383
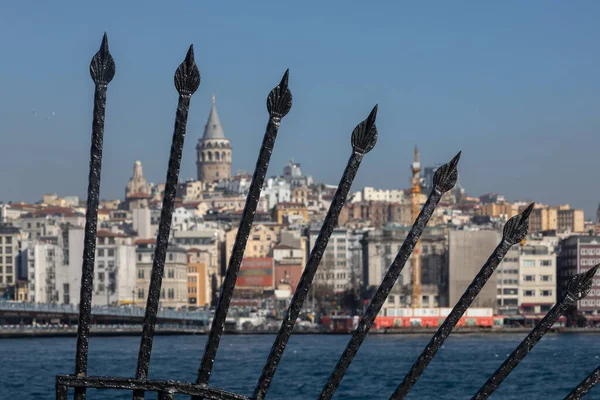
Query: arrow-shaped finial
x,y
445,177
102,67
579,286
187,76
279,101
364,136
517,227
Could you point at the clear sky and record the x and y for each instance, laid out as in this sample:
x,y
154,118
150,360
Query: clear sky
x,y
514,85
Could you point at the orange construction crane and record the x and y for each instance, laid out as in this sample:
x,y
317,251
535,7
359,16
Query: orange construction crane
x,y
416,207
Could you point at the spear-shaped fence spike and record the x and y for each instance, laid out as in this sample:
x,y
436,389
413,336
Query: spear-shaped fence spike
x,y
363,139
279,103
585,386
187,80
578,287
102,70
444,179
514,231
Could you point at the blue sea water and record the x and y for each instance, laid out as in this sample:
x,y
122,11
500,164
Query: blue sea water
x,y
556,365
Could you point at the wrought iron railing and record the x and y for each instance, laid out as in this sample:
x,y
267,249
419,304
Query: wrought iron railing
x,y
364,137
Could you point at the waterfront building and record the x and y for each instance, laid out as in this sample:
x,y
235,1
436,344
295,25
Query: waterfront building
x,y
294,176
507,283
578,254
286,213
9,252
334,270
200,279
468,251
537,280
174,291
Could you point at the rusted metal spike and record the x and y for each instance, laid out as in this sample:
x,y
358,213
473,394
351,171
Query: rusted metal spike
x,y
441,185
585,386
364,138
279,103
579,286
516,227
102,70
187,79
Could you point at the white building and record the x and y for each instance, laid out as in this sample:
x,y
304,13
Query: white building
x,y
334,270
54,269
537,270
372,194
276,190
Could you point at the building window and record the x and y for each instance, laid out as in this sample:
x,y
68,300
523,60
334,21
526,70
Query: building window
x,y
111,252
546,278
171,293
9,250
170,256
529,263
546,263
529,278
162,293
546,293
9,279
100,264
139,257
529,293
8,260
141,293
171,274
8,240
100,252
140,273
100,276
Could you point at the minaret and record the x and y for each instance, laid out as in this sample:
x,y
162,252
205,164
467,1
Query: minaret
x,y
416,206
213,150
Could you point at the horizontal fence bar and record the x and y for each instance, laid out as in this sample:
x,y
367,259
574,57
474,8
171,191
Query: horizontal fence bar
x,y
159,386
588,383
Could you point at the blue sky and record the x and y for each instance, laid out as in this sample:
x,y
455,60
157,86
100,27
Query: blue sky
x,y
514,85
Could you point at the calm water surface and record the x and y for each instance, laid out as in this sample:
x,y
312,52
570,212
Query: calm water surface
x,y
554,367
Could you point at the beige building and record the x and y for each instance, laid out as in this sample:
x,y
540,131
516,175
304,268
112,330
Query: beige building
x,y
498,210
213,150
556,218
571,221
260,242
199,278
286,213
174,292
9,250
537,280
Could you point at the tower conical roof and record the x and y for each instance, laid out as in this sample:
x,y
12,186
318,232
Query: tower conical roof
x,y
213,128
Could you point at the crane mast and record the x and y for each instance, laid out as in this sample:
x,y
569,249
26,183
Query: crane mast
x,y
416,207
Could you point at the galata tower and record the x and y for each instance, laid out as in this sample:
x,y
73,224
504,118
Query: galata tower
x,y
213,150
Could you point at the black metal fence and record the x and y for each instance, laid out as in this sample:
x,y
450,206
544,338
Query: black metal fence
x,y
363,139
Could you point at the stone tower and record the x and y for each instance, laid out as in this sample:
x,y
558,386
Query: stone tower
x,y
213,150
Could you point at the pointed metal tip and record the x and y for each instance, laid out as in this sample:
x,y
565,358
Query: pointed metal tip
x,y
456,159
284,79
104,44
592,271
373,115
189,57
527,211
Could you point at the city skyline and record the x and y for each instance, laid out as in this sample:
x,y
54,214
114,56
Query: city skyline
x,y
514,91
